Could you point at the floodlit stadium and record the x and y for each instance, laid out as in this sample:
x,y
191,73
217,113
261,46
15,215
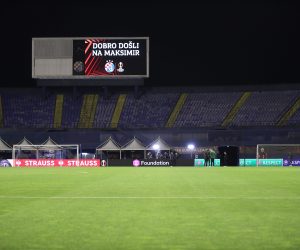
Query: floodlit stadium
x,y
139,134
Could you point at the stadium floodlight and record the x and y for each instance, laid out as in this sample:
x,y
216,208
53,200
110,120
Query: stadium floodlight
x,y
156,147
191,146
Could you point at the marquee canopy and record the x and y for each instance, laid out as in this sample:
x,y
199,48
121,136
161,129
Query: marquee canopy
x,y
4,146
161,143
26,142
109,145
133,145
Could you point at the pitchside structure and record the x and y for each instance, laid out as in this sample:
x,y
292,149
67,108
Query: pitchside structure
x,y
287,154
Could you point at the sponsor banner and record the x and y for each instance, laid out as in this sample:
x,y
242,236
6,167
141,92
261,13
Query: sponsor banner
x,y
162,163
57,163
270,162
217,162
292,163
151,163
201,162
183,163
248,162
119,162
6,163
146,163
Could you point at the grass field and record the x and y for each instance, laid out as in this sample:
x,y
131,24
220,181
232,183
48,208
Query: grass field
x,y
150,208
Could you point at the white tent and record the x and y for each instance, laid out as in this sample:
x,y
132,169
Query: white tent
x,y
162,145
134,145
23,142
109,145
4,146
26,142
50,144
48,149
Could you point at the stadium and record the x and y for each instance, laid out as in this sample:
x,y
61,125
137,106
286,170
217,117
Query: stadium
x,y
137,137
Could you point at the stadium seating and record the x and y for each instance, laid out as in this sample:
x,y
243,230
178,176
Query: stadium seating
x,y
28,110
206,109
152,109
71,110
104,111
295,119
264,108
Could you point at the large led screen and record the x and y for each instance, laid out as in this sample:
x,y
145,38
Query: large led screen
x,y
111,57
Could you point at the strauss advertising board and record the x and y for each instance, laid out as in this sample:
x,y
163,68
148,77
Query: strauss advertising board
x,y
56,163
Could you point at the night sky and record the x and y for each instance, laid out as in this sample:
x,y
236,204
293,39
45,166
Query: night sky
x,y
190,44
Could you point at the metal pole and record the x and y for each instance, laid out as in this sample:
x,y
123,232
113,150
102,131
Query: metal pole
x,y
257,155
77,150
13,153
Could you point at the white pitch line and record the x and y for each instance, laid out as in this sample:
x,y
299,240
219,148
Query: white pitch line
x,y
151,197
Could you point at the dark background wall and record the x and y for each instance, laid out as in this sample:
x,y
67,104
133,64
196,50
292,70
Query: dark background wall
x,y
196,44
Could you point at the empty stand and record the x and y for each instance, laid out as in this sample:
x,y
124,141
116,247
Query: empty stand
x,y
264,108
206,109
28,110
153,109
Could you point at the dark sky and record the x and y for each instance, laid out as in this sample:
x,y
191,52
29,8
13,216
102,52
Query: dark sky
x,y
191,44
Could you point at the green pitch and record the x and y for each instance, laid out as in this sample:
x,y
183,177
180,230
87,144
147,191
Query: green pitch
x,y
150,208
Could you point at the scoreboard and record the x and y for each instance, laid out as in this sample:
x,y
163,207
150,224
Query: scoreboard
x,y
90,58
